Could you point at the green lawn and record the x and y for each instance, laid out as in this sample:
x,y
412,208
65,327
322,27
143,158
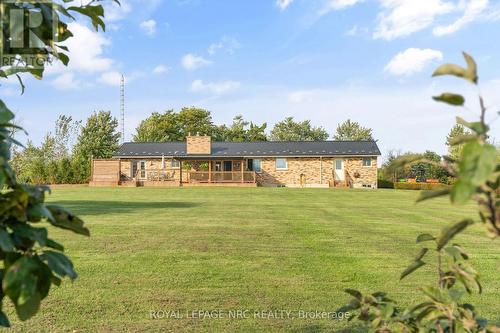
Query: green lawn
x,y
255,249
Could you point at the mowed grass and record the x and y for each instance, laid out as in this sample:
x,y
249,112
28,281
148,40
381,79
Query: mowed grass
x,y
256,249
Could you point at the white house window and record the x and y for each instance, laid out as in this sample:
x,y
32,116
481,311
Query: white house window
x,y
367,162
256,165
175,164
281,164
338,165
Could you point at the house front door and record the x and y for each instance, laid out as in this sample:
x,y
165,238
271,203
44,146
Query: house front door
x,y
138,169
339,170
228,167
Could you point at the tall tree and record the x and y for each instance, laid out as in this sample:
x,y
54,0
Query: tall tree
x,y
172,126
159,127
65,132
242,130
195,121
97,139
290,130
352,131
455,150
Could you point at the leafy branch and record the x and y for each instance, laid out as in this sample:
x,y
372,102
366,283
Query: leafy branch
x,y
31,261
477,173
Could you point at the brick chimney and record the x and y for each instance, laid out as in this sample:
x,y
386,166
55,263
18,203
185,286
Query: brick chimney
x,y
199,144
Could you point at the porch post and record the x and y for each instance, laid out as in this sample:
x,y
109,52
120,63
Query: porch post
x,y
119,170
209,171
241,168
321,169
180,175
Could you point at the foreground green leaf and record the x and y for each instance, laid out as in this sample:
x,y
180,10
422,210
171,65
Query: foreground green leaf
x,y
59,263
412,268
448,233
4,321
5,241
450,69
20,284
450,98
65,220
469,73
425,237
475,167
426,195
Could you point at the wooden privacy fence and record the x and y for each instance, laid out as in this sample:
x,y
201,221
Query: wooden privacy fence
x,y
105,173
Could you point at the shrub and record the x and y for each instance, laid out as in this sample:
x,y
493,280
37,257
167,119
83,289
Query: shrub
x,y
383,183
419,186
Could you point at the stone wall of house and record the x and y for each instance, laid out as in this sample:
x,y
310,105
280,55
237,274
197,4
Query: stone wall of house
x,y
316,171
308,167
359,175
199,144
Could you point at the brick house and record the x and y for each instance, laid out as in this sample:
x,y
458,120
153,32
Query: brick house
x,y
201,162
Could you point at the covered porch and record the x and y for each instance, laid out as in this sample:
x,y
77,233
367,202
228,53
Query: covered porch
x,y
189,172
216,171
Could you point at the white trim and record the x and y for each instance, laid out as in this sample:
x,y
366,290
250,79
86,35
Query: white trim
x,y
260,164
276,164
171,165
363,162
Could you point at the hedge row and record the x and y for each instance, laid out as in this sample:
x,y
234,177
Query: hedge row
x,y
382,183
419,186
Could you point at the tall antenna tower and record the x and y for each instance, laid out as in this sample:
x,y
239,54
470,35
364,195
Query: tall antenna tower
x,y
122,106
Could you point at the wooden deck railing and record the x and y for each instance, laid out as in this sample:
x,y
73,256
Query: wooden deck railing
x,y
161,174
196,176
221,177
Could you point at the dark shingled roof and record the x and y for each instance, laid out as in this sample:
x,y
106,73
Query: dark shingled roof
x,y
256,149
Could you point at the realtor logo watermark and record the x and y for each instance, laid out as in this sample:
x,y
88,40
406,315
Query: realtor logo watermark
x,y
248,314
25,25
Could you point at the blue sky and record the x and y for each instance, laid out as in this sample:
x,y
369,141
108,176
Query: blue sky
x,y
324,60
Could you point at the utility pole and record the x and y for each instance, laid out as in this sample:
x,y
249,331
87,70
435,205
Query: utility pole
x,y
122,106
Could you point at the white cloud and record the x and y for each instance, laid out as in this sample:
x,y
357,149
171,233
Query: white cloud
x,y
401,18
161,69
86,50
216,88
472,10
300,96
115,12
228,44
330,5
404,17
112,78
412,61
149,27
283,4
66,81
192,62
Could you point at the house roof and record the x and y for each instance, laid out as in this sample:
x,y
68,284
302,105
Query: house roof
x,y
255,149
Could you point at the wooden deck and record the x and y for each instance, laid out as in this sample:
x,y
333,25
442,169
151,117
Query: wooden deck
x,y
162,178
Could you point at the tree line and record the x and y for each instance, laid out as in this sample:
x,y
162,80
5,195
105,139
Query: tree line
x,y
65,154
175,126
422,166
